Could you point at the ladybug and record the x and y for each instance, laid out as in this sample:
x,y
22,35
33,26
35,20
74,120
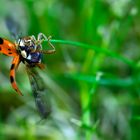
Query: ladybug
x,y
28,50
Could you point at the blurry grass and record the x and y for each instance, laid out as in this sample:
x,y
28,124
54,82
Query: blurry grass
x,y
93,79
98,50
104,81
96,81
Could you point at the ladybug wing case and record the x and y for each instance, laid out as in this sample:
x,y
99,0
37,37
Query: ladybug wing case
x,y
9,49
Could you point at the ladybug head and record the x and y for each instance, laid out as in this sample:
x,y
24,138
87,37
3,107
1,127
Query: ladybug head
x,y
28,50
26,45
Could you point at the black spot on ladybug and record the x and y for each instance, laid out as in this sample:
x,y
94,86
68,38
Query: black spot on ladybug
x,y
11,79
0,48
9,53
1,40
12,66
9,49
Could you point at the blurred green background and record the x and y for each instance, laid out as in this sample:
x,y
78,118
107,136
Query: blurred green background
x,y
93,79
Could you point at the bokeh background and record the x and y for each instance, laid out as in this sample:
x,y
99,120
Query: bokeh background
x,y
93,79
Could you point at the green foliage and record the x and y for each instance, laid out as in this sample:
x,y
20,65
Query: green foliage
x,y
93,79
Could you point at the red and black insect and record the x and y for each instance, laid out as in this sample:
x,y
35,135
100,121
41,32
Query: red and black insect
x,y
27,50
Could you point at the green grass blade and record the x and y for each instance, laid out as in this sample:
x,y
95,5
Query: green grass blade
x,y
98,50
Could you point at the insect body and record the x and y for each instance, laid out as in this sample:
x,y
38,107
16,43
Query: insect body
x,y
27,50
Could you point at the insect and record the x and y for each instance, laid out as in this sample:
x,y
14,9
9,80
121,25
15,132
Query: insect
x,y
27,50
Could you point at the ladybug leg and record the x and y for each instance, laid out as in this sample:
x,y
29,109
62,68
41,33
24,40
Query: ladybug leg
x,y
34,40
51,45
15,63
41,38
40,65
